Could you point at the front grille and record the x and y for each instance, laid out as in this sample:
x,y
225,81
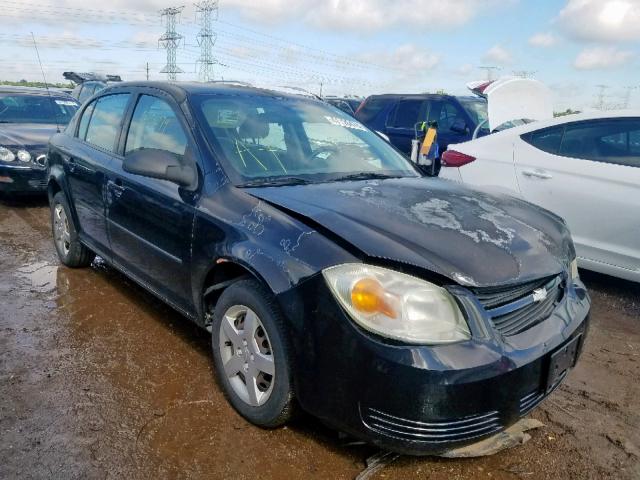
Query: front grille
x,y
455,430
516,309
38,184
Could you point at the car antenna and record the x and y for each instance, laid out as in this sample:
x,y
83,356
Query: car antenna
x,y
46,85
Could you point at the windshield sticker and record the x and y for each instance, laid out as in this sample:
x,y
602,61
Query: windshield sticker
x,y
66,103
230,118
340,122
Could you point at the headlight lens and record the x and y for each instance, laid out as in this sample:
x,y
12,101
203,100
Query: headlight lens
x,y
24,156
6,155
396,305
573,269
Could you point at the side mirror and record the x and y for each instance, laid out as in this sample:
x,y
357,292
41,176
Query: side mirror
x,y
459,126
161,164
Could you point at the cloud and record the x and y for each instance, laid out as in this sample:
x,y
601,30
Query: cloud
x,y
543,39
598,58
602,21
498,55
408,59
366,15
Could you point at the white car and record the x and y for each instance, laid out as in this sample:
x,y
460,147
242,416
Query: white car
x,y
585,168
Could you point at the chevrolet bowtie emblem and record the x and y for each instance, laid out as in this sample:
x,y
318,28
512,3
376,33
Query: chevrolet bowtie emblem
x,y
539,295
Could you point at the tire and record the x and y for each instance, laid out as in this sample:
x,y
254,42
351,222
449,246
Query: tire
x,y
65,235
272,402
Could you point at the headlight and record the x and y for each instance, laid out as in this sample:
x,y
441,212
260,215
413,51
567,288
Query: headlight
x,y
6,155
24,156
396,305
573,269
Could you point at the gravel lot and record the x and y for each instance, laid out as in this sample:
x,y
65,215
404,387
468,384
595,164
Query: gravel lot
x,y
100,380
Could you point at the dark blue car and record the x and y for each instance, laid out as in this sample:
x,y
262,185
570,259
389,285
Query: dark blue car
x,y
411,312
397,115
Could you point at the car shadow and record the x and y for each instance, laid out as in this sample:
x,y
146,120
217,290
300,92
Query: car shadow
x,y
24,200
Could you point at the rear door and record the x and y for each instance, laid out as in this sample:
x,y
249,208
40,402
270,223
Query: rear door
x,y
86,166
150,220
589,173
402,121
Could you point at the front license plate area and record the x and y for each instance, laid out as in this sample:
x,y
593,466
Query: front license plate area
x,y
561,361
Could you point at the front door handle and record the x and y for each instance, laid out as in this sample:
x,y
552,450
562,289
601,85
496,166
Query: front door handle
x,y
115,189
537,174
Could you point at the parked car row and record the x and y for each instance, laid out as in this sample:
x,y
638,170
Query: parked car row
x,y
28,117
332,276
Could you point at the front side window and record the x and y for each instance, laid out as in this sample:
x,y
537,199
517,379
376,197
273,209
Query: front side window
x,y
548,139
448,115
407,114
42,109
104,126
612,141
155,125
265,137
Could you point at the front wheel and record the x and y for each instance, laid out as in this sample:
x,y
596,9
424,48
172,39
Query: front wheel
x,y
65,236
251,354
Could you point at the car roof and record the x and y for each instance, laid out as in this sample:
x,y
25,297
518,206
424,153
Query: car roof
x,y
180,90
31,90
394,96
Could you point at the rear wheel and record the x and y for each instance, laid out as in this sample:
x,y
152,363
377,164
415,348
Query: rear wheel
x,y
251,354
65,236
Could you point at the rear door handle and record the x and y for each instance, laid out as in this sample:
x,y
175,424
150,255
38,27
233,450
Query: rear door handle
x,y
537,174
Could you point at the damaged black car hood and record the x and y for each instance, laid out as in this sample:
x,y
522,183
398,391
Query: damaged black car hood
x,y
470,236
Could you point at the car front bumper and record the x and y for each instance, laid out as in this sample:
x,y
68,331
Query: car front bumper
x,y
18,179
417,399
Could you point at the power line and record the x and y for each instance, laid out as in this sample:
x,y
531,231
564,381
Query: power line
x,y
170,40
206,11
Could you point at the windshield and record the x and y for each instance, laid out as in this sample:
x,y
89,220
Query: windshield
x,y
269,138
477,110
25,108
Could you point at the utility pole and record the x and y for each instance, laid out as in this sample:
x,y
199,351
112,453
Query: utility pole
x,y
627,96
600,105
147,71
321,85
170,40
524,73
489,70
206,12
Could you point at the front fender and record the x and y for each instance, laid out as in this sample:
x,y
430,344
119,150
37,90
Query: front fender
x,y
279,250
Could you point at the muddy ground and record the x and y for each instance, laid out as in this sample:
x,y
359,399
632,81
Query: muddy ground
x,y
98,380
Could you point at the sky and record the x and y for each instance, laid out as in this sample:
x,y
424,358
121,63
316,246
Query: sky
x,y
585,50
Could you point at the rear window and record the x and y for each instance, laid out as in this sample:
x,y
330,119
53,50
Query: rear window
x,y
104,125
371,108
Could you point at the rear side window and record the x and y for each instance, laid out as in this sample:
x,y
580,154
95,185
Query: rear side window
x,y
371,108
548,139
407,114
612,141
155,125
84,121
105,121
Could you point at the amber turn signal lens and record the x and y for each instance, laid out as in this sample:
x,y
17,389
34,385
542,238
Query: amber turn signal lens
x,y
368,296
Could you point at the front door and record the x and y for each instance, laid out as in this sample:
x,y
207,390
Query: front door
x,y
402,122
150,221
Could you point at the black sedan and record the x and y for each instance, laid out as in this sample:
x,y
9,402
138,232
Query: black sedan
x,y
28,117
414,313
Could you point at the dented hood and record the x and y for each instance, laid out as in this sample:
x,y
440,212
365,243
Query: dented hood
x,y
470,236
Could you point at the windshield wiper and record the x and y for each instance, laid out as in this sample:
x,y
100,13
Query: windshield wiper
x,y
274,182
364,176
